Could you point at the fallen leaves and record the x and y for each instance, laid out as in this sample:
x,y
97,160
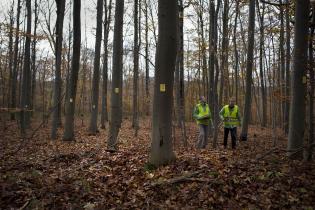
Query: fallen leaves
x,y
49,174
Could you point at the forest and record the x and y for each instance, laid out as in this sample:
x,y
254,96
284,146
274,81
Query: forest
x,y
157,104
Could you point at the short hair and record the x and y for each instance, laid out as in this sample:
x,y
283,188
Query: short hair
x,y
232,98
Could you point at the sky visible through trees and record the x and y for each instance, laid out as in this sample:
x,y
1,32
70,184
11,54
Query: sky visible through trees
x,y
132,104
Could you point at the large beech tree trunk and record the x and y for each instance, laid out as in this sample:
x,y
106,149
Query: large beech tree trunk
x,y
75,65
298,82
116,92
96,74
26,80
249,70
161,145
56,119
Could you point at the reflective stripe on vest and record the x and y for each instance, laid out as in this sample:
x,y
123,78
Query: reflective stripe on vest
x,y
230,118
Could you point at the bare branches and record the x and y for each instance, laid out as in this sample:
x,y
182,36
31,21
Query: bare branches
x,y
274,3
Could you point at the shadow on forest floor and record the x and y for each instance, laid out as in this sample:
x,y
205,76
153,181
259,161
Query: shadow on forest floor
x,y
44,174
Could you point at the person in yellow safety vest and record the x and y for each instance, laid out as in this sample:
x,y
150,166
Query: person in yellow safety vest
x,y
231,118
202,115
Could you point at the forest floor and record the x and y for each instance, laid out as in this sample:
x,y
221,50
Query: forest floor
x,y
44,174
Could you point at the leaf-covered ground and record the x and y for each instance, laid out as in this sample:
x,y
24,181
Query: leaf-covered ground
x,y
44,174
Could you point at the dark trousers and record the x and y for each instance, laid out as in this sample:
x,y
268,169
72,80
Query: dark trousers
x,y
233,136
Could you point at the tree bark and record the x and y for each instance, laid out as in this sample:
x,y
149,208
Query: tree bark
x,y
116,92
298,82
75,65
10,57
34,69
161,145
310,149
282,67
135,108
16,61
104,115
249,70
56,118
236,54
287,70
26,93
224,56
147,67
96,73
261,66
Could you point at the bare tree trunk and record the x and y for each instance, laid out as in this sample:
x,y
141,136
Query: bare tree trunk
x,y
15,62
161,145
211,53
249,69
216,77
26,93
309,151
282,67
56,119
135,116
96,73
116,92
68,58
224,55
10,53
261,66
297,107
287,69
147,67
104,115
236,53
34,68
75,65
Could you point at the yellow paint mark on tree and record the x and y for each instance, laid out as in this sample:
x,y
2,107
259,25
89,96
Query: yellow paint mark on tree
x,y
304,79
162,88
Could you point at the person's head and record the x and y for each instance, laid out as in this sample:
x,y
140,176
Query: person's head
x,y
202,99
232,102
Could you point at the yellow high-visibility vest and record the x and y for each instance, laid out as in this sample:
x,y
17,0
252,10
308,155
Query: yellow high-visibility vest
x,y
230,118
202,112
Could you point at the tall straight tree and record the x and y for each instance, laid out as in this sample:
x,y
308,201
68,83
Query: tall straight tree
x,y
282,65
96,73
261,64
26,82
224,56
161,145
236,53
179,74
75,65
135,116
34,43
10,50
298,82
104,114
116,92
16,60
56,120
308,155
287,68
147,78
249,70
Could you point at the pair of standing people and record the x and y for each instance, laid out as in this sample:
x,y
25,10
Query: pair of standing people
x,y
229,114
